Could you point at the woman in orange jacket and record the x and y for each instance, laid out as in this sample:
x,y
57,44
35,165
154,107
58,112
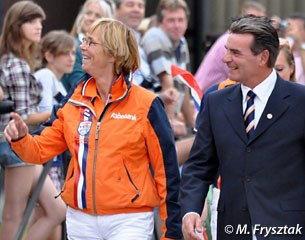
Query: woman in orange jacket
x,y
115,131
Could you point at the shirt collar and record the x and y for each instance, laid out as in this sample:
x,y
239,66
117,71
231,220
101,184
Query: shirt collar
x,y
181,42
262,90
137,35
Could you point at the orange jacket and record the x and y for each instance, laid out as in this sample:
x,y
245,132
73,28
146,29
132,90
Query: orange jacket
x,y
112,148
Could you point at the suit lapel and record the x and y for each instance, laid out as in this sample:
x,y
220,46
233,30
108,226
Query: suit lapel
x,y
275,108
234,114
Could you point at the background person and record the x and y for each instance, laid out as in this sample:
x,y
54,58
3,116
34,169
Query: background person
x,y
105,108
131,13
285,64
165,45
21,32
295,32
57,50
90,11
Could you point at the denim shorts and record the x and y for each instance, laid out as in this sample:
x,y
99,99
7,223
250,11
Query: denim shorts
x,y
8,158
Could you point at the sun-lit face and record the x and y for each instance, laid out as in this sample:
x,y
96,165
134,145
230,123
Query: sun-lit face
x,y
92,12
32,30
95,58
131,12
282,66
242,63
174,24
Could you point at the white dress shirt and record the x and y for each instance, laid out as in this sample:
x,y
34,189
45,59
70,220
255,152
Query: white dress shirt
x,y
263,92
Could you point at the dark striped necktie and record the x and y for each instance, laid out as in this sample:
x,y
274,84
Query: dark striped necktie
x,y
249,114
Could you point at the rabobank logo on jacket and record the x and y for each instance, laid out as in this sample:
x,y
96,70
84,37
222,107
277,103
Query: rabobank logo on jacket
x,y
132,117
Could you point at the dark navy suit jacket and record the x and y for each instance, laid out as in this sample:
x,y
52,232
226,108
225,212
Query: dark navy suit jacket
x,y
262,180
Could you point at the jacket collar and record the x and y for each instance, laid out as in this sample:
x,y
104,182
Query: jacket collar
x,y
118,90
274,109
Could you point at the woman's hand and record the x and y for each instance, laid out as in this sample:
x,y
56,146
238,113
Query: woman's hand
x,y
16,128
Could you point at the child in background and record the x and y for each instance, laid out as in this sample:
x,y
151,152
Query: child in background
x,y
58,57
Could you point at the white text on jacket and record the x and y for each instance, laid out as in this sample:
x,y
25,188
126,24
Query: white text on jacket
x,y
132,117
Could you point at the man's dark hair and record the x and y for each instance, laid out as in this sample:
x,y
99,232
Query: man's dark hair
x,y
265,35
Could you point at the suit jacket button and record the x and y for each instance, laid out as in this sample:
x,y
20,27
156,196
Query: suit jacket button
x,y
248,179
248,149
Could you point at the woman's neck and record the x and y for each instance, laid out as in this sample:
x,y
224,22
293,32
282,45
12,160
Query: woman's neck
x,y
104,84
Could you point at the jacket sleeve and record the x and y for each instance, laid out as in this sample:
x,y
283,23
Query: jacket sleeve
x,y
200,169
41,148
60,105
163,158
49,138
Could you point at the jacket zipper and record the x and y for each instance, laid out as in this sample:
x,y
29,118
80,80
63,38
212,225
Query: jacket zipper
x,y
96,145
96,139
132,182
97,132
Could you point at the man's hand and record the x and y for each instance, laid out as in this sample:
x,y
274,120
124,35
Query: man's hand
x,y
16,128
190,223
169,96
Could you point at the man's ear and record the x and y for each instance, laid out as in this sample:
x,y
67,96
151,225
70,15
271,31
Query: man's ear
x,y
264,57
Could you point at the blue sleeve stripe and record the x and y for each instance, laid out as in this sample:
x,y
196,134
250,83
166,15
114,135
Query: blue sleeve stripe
x,y
161,126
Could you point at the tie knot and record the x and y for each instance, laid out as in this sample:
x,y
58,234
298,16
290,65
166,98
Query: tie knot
x,y
251,94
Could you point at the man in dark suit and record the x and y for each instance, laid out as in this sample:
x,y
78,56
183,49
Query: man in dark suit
x,y
261,162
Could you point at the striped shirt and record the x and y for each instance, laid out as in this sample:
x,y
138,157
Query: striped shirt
x,y
161,53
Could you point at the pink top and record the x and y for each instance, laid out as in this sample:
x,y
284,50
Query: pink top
x,y
212,70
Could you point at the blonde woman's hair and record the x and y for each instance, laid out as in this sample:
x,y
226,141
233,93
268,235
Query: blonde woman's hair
x,y
119,41
12,37
56,42
106,6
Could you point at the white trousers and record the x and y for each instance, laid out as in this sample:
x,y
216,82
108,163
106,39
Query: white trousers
x,y
129,226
